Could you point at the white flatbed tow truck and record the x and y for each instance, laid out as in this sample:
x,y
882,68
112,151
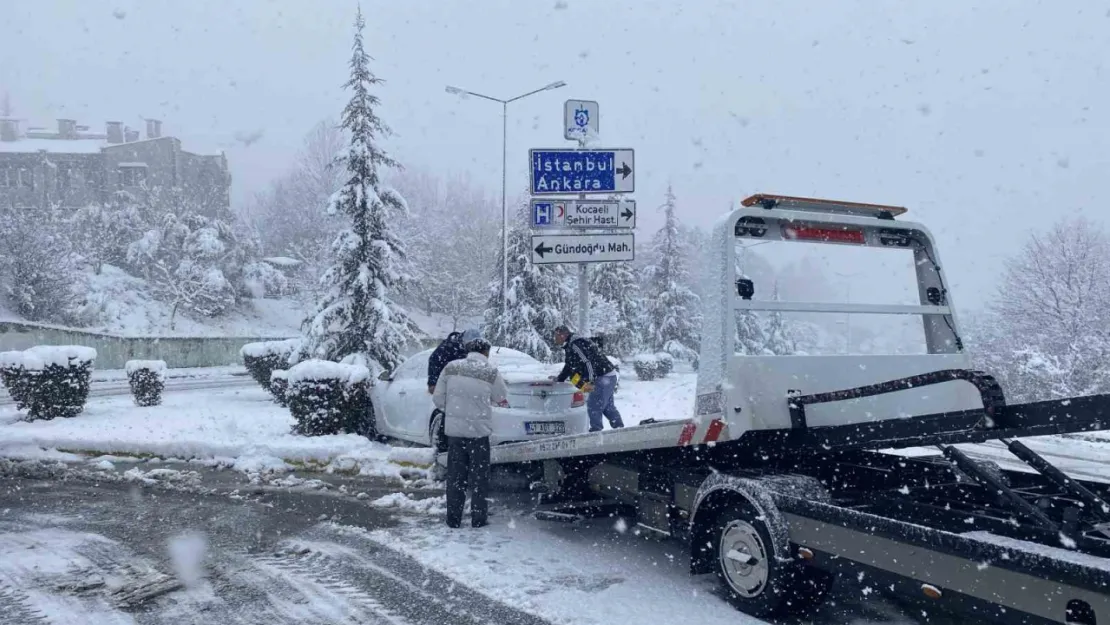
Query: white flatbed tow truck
x,y
778,481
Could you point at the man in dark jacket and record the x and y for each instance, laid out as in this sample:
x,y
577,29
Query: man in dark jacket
x,y
587,368
452,348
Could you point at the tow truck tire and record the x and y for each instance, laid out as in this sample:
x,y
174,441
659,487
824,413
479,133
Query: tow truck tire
x,y
436,433
764,583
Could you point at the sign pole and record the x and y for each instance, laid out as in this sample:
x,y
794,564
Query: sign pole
x,y
583,294
504,211
583,268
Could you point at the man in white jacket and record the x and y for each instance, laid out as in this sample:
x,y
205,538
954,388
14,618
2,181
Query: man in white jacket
x,y
466,392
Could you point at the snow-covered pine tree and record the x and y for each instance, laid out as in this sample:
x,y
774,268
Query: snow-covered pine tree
x,y
540,298
673,311
36,267
778,337
357,314
616,291
751,340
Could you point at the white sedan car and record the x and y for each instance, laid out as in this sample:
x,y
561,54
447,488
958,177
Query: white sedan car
x,y
537,406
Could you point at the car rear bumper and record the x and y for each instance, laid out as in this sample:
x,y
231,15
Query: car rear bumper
x,y
508,424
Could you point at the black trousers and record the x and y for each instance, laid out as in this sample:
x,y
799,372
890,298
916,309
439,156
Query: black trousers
x,y
467,469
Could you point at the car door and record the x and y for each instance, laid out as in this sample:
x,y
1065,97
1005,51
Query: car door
x,y
410,405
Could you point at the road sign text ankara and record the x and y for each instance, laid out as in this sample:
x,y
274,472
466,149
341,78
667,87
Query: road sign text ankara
x,y
582,248
560,171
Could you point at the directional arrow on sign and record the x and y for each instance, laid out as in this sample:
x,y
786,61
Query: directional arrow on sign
x,y
627,214
541,250
624,170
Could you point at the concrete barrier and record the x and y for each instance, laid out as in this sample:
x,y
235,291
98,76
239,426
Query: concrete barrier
x,y
114,351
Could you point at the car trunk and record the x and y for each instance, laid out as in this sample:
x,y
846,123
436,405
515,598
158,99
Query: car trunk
x,y
542,395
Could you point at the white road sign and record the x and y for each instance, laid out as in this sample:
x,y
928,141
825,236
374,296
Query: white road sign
x,y
550,249
583,213
580,118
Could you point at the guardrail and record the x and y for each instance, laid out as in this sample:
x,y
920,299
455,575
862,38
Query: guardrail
x,y
113,351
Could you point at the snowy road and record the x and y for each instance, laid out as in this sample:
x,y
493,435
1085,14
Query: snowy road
x,y
114,554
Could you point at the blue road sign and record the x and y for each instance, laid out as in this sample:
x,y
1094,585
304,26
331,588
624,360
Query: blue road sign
x,y
559,171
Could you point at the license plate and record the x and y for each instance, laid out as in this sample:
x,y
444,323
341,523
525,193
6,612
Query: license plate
x,y
545,427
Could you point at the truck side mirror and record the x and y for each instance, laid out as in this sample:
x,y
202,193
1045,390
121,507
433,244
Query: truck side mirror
x,y
745,288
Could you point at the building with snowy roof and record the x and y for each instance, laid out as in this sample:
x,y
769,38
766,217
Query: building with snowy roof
x,y
72,166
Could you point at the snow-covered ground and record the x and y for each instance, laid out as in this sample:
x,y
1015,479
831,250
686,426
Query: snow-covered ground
x,y
119,375
245,429
599,573
241,428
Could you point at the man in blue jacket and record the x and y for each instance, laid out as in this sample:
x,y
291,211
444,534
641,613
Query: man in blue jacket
x,y
452,348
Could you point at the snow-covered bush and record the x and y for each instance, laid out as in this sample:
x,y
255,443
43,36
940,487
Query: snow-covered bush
x,y
60,384
17,378
666,363
261,279
649,366
329,397
147,379
262,358
279,384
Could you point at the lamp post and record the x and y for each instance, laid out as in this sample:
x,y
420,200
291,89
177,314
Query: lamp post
x,y
504,162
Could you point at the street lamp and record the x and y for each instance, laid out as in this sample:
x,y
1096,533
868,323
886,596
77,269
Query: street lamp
x,y
504,161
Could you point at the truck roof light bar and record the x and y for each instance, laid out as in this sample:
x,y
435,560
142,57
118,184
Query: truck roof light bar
x,y
789,202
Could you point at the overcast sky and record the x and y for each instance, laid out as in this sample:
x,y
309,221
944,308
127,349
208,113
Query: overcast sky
x,y
987,119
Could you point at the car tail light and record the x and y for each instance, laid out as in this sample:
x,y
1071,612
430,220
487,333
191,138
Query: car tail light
x,y
504,403
578,400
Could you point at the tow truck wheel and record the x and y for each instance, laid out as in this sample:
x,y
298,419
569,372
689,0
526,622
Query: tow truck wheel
x,y
756,577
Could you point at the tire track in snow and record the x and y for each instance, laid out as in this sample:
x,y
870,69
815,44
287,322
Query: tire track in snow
x,y
16,608
406,589
304,573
